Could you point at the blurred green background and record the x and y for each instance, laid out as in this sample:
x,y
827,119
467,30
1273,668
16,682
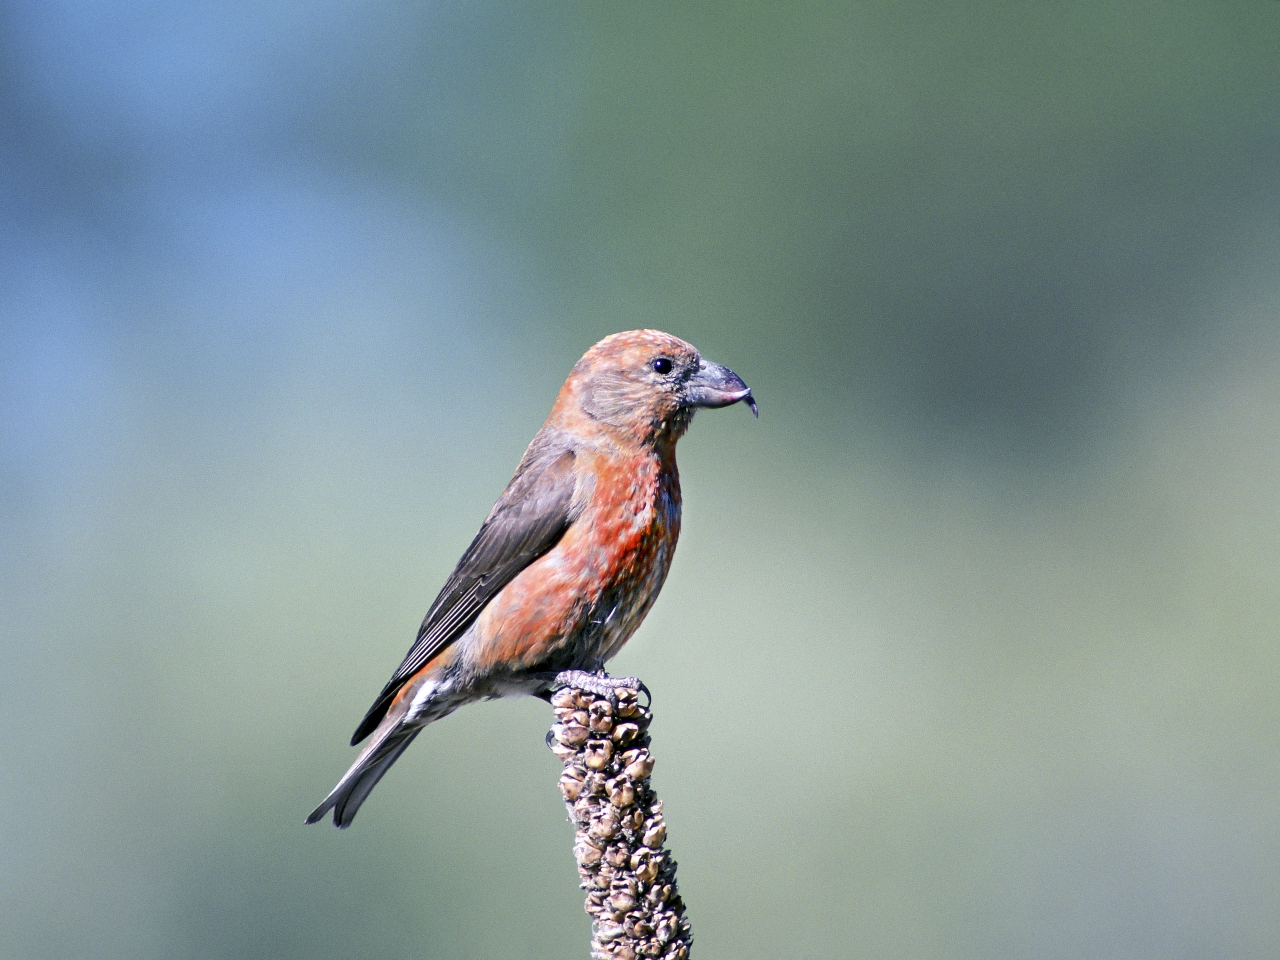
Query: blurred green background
x,y
970,648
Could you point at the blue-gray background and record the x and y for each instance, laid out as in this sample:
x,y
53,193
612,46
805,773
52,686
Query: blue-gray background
x,y
970,648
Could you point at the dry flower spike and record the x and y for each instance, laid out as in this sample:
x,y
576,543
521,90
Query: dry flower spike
x,y
630,878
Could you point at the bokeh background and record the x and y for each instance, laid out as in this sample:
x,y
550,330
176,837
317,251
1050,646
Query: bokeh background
x,y
970,649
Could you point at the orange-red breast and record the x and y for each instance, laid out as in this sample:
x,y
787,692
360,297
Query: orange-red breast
x,y
571,557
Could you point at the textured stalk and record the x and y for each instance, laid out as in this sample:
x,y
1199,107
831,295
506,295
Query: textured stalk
x,y
629,876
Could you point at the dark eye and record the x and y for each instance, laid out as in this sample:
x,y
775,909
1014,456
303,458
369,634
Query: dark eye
x,y
662,365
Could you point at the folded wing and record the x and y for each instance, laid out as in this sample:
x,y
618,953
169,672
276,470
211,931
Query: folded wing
x,y
527,521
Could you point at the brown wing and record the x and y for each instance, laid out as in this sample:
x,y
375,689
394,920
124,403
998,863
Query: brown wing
x,y
527,521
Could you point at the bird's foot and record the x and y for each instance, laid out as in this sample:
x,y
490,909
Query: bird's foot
x,y
601,684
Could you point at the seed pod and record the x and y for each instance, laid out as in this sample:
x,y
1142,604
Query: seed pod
x,y
624,733
626,700
564,697
656,835
571,783
665,929
641,767
647,872
639,928
622,795
586,853
573,734
598,753
603,829
608,931
561,750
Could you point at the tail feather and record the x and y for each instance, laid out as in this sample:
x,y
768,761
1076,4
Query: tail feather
x,y
374,761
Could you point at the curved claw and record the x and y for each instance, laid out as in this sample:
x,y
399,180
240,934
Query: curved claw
x,y
641,688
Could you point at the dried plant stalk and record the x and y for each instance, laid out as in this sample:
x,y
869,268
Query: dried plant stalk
x,y
629,876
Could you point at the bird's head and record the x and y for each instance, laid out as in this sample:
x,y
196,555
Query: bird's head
x,y
649,383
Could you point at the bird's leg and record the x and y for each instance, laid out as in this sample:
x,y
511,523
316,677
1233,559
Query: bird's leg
x,y
601,684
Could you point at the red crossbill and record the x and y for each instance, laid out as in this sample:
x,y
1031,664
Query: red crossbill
x,y
570,558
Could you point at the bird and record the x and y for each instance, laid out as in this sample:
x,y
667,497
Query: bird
x,y
568,561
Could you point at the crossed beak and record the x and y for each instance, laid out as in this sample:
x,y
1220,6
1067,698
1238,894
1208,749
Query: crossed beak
x,y
716,386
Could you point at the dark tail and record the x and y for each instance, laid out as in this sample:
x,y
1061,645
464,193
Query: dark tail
x,y
374,761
